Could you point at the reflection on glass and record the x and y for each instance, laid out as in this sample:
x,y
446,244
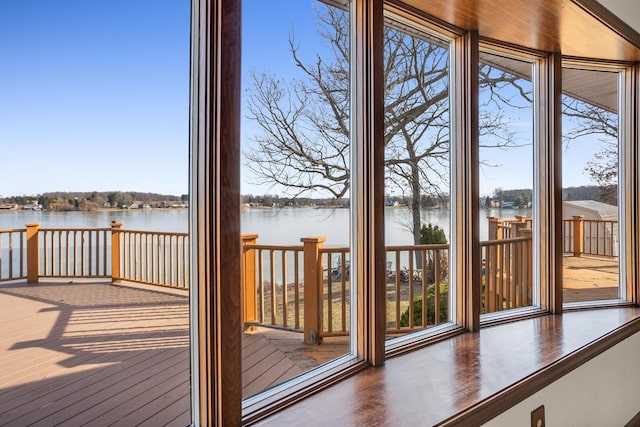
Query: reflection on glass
x,y
295,189
506,182
590,185
417,179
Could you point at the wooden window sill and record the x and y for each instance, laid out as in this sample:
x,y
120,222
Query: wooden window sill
x,y
467,379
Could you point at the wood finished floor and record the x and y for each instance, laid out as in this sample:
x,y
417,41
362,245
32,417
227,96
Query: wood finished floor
x,y
97,354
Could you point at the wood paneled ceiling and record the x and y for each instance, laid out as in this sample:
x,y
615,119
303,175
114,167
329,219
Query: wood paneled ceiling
x,y
581,28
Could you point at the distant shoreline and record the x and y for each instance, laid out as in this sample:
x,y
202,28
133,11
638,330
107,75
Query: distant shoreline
x,y
95,210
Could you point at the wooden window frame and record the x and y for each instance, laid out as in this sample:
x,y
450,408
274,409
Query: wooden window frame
x,y
628,185
215,200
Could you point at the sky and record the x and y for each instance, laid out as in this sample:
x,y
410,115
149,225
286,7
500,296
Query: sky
x,y
94,96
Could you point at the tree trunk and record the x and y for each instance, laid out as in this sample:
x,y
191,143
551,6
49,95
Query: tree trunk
x,y
416,221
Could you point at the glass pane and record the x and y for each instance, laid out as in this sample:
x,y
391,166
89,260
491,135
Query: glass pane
x,y
417,179
590,185
295,189
94,130
506,182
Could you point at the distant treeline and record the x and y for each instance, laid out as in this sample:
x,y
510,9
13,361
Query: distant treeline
x,y
518,197
585,192
92,200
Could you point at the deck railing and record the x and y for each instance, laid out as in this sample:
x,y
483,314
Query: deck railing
x,y
507,274
74,252
13,255
150,257
590,236
303,287
307,287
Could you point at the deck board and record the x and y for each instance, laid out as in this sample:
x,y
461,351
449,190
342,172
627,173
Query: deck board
x,y
92,353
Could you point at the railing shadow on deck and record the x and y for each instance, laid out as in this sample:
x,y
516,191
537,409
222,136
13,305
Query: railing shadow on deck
x,y
87,351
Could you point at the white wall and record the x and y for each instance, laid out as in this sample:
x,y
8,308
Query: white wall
x,y
603,392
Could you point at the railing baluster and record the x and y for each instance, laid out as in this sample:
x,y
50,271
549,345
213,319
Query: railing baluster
x,y
261,284
296,288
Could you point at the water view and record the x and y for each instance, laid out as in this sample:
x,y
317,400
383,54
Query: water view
x,y
274,226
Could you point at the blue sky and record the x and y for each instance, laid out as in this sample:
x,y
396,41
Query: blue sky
x,y
94,96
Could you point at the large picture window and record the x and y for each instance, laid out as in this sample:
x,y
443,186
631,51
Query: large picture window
x,y
295,190
418,193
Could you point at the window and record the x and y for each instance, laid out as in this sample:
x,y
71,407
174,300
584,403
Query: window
x,y
510,91
296,187
507,182
418,192
591,194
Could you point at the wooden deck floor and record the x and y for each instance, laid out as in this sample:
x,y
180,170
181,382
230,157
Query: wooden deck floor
x,y
589,278
96,354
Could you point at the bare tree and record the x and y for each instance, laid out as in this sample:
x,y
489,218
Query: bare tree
x,y
590,120
303,144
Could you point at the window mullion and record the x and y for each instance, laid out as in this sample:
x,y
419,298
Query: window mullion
x,y
465,241
367,184
548,182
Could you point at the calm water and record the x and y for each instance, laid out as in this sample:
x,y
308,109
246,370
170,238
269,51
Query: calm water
x,y
274,226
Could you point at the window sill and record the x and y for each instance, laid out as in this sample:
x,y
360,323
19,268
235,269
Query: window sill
x,y
470,378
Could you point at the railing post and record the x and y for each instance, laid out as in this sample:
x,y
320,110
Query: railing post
x,y
115,251
33,252
519,224
312,288
578,235
527,289
249,278
493,228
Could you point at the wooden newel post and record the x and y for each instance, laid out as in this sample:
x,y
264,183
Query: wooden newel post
x,y
519,224
115,251
493,228
312,288
249,292
33,252
578,235
527,268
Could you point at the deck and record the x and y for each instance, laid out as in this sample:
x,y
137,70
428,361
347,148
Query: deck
x,y
90,353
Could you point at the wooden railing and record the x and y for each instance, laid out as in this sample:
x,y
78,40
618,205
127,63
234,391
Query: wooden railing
x,y
272,284
150,257
13,255
590,236
507,274
74,252
417,292
307,287
303,287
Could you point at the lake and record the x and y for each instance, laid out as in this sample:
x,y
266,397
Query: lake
x,y
274,226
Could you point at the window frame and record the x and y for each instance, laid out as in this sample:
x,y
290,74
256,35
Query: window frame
x,y
627,179
215,234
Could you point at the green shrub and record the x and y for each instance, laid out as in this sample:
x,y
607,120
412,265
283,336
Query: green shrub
x,y
430,235
417,307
